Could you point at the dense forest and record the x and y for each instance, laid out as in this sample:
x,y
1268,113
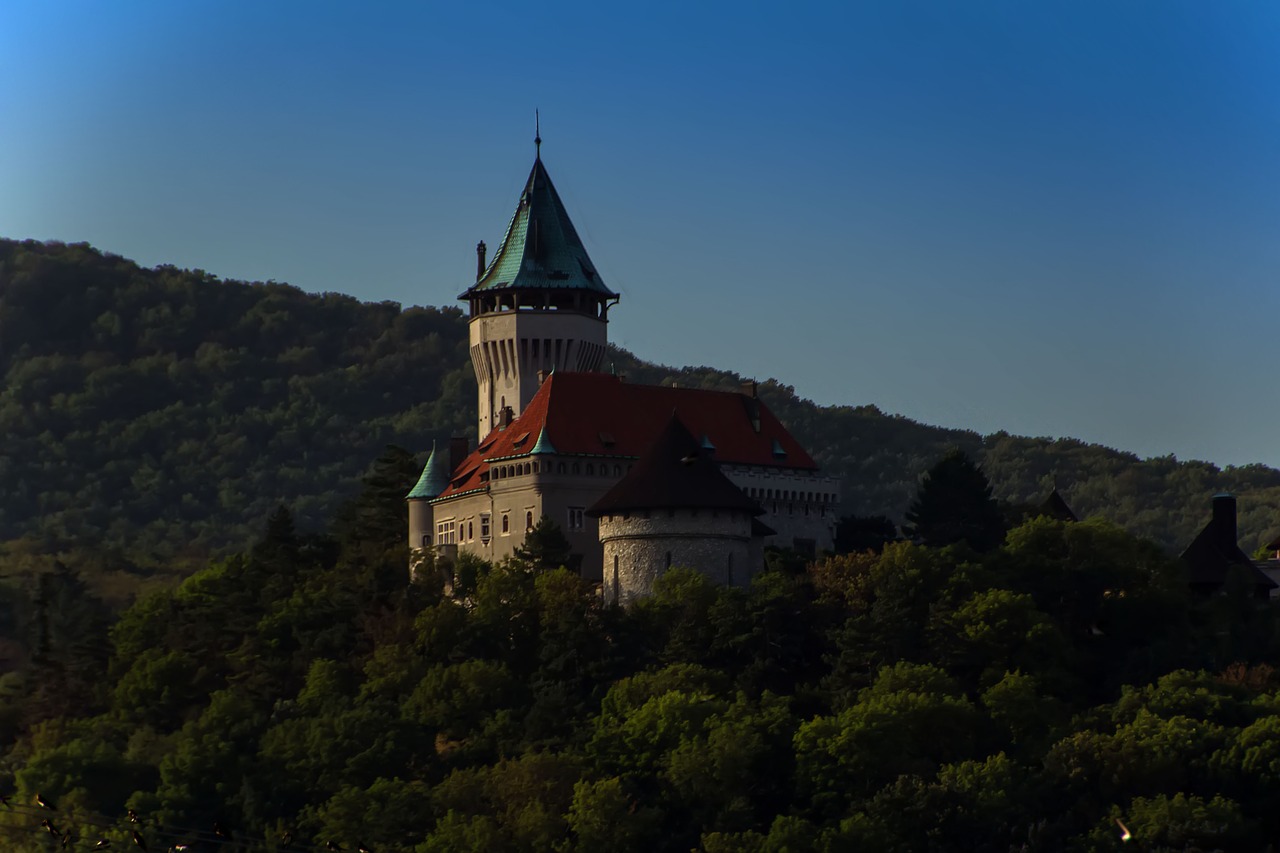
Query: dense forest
x,y
208,634
1052,693
152,417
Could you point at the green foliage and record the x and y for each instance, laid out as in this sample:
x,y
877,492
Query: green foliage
x,y
954,505
911,698
545,547
915,699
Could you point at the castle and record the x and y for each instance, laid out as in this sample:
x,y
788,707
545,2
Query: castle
x,y
692,477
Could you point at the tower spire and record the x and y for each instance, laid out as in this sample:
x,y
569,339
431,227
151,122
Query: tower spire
x,y
537,136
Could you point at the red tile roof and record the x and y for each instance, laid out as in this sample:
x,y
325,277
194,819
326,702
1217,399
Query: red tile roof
x,y
674,472
578,411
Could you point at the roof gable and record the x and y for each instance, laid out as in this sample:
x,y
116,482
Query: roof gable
x,y
674,472
1211,555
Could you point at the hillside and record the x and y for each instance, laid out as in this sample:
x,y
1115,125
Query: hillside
x,y
160,414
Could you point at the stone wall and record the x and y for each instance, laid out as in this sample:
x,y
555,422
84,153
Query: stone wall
x,y
639,547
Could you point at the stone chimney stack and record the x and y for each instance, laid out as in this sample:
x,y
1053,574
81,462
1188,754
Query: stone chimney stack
x,y
480,247
1224,519
457,452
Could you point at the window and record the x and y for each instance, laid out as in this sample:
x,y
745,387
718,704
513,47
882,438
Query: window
x,y
575,518
446,533
471,531
484,527
506,524
528,521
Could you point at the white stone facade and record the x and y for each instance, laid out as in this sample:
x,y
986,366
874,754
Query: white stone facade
x,y
509,347
563,487
638,547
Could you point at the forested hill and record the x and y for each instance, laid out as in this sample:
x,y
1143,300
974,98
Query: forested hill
x,y
162,413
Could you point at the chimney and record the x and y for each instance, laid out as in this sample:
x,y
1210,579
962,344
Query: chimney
x,y
1224,519
749,388
457,452
479,259
505,417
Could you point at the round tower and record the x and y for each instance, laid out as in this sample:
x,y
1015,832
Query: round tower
x,y
538,306
675,508
434,480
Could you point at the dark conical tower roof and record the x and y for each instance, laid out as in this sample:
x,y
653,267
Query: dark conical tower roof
x,y
1056,507
541,249
674,473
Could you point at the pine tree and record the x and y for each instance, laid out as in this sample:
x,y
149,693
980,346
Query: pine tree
x,y
954,504
545,547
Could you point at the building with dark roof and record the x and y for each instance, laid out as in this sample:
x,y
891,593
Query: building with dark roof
x,y
1215,554
1055,506
557,435
675,508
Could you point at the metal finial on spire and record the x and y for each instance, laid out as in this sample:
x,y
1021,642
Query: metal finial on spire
x,y
537,135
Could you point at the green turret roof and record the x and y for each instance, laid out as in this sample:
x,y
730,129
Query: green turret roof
x,y
543,444
541,249
434,479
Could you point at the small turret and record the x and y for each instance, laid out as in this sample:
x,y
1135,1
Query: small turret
x,y
434,480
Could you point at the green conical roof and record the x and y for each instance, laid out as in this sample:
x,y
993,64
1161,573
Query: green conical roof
x,y
541,249
434,479
543,444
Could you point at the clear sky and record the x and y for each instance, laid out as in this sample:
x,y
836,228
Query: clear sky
x,y
1055,218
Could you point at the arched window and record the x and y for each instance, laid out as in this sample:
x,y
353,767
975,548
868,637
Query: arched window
x,y
471,530
591,469
617,470
668,559
506,524
560,468
528,521
577,469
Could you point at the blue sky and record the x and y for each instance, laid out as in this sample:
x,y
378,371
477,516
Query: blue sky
x,y
1053,218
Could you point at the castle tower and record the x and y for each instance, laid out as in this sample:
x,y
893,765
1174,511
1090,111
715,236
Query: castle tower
x,y
538,306
434,480
675,508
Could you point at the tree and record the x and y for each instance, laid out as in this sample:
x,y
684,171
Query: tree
x,y
954,504
545,547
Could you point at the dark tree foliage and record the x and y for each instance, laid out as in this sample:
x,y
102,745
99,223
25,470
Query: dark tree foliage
x,y
954,505
857,533
918,699
545,547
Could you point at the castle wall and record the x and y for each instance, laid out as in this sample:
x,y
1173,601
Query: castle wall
x,y
560,487
801,506
639,547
